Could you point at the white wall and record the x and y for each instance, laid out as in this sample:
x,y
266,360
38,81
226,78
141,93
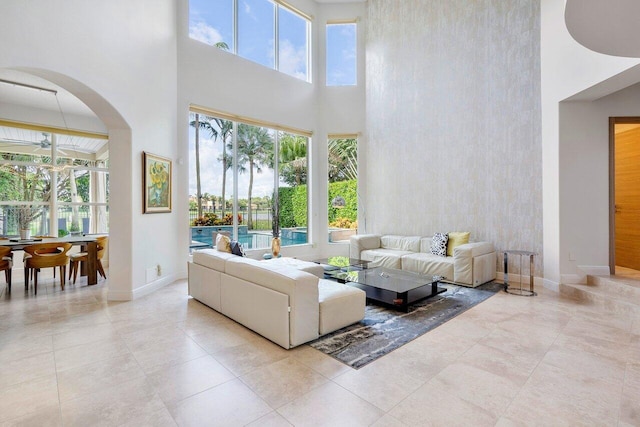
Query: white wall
x,y
453,120
574,182
119,57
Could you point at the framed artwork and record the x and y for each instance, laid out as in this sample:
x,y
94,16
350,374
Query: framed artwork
x,y
157,183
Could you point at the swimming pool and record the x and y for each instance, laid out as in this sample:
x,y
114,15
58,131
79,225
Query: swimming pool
x,y
252,240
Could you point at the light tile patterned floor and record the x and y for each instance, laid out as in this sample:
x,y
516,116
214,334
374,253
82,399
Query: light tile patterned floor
x,y
72,358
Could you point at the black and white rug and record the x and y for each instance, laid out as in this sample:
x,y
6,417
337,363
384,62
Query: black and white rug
x,y
383,330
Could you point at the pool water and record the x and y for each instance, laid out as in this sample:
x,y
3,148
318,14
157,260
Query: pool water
x,y
256,240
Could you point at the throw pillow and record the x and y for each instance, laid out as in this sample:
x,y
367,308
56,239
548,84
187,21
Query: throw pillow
x,y
439,244
457,238
223,243
236,248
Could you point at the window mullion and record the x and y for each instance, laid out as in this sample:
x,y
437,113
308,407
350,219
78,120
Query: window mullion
x,y
276,37
235,27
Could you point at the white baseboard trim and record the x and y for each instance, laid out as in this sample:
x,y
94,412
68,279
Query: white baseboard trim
x,y
153,286
113,295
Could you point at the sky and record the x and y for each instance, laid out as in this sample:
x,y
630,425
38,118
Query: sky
x,y
211,21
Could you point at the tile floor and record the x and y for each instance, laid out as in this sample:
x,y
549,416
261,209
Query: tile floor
x,y
71,358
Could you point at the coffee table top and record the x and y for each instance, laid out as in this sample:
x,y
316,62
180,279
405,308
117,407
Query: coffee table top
x,y
342,261
387,278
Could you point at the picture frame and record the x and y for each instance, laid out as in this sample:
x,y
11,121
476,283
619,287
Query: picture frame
x,y
156,189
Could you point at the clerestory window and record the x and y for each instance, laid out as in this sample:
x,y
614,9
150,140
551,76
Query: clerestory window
x,y
270,33
341,54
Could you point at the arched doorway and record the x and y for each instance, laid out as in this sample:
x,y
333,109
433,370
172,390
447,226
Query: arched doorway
x,y
119,135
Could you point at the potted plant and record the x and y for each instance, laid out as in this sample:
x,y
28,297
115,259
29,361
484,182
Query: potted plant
x,y
275,225
26,214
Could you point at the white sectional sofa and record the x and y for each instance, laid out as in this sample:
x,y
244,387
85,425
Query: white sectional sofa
x,y
472,264
276,299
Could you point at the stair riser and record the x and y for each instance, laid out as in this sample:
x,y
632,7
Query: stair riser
x,y
608,304
616,289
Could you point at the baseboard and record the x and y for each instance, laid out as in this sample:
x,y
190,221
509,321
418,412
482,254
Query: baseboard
x,y
153,286
514,280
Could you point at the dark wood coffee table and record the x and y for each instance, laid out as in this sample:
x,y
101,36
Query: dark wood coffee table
x,y
390,287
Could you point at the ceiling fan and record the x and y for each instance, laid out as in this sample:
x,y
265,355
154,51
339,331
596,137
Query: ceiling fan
x,y
44,143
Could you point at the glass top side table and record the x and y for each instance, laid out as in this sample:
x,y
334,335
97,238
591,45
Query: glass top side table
x,y
512,289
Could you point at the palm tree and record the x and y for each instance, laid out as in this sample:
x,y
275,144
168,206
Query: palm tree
x,y
255,148
222,129
343,159
293,157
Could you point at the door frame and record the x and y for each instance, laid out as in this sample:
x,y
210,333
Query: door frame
x,y
613,121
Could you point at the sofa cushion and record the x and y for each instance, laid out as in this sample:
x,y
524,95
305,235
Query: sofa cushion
x,y
389,258
308,266
439,244
428,264
340,305
403,243
457,238
211,258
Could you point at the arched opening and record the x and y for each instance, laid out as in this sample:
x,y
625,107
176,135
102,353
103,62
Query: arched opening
x,y
74,121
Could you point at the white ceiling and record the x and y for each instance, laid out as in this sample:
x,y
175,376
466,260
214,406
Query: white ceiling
x,y
42,107
605,26
33,98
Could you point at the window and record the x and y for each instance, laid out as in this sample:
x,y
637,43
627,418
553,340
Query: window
x,y
53,184
245,209
211,22
343,187
263,31
341,54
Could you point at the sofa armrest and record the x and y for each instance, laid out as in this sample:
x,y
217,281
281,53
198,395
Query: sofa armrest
x,y
463,256
473,249
361,242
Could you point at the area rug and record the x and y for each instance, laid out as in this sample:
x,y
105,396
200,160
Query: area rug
x,y
383,330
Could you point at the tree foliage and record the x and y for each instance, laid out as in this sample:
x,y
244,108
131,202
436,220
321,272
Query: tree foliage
x,y
343,160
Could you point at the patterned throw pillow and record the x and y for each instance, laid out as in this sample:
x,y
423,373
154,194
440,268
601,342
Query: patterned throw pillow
x,y
223,243
439,244
236,248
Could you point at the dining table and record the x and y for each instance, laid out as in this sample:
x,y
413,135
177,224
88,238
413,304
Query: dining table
x,y
87,242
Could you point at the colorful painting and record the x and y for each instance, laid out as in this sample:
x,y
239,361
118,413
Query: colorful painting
x,y
157,183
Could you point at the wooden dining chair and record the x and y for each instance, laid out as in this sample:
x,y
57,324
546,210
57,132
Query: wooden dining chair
x,y
43,255
6,263
76,259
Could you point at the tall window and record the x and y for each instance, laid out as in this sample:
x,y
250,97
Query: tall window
x,y
343,187
239,201
262,31
341,54
53,184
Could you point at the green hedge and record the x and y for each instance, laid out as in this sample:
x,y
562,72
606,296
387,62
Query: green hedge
x,y
293,203
348,190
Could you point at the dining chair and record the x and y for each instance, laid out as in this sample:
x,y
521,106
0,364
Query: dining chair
x,y
43,255
79,257
6,263
52,250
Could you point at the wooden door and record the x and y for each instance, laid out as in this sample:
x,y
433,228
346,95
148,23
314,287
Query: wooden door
x,y
627,196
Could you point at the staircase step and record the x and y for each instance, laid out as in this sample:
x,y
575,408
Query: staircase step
x,y
618,295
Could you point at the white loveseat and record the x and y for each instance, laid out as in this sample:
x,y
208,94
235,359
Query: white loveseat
x,y
276,299
472,264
